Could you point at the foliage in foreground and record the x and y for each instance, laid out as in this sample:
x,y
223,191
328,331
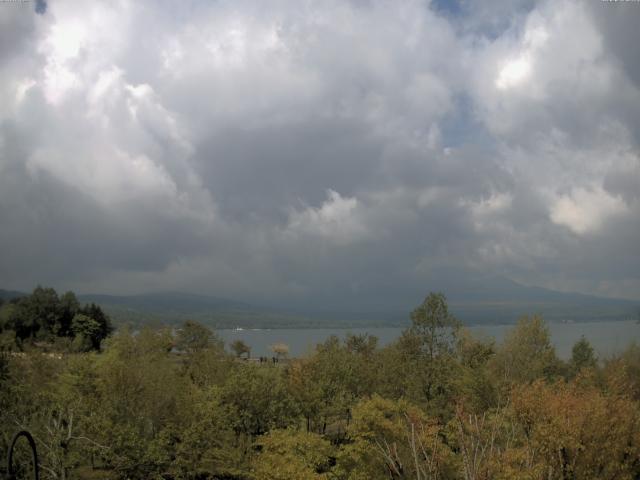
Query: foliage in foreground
x,y
436,404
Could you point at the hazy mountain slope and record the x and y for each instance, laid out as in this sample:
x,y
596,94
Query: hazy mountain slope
x,y
169,302
473,299
9,294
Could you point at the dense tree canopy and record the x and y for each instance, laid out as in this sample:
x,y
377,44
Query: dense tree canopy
x,y
438,403
45,317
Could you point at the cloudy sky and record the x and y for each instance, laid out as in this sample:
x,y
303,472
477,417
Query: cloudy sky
x,y
319,151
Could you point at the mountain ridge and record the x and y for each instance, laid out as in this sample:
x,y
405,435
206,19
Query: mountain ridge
x,y
479,301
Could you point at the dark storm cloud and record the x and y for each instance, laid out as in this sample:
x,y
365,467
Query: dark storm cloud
x,y
59,231
260,172
618,24
41,7
336,154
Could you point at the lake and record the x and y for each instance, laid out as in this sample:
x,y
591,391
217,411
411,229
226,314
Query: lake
x,y
605,337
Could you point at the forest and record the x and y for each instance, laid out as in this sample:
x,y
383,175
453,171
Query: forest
x,y
45,320
439,403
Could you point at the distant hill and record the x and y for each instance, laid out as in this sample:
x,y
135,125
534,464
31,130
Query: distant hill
x,y
491,302
168,302
9,294
473,299
500,300
174,307
509,312
478,298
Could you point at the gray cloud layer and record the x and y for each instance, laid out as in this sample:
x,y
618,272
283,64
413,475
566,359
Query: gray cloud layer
x,y
344,152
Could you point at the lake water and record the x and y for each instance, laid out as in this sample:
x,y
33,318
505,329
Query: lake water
x,y
606,337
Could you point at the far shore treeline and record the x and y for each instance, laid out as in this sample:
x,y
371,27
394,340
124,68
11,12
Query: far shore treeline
x,y
438,403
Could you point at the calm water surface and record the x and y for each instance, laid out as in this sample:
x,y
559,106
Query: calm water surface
x,y
605,337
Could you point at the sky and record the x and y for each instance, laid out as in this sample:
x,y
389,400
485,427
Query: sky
x,y
319,152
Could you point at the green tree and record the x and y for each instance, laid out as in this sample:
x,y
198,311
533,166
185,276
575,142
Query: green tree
x,y
12,327
206,362
146,402
478,386
69,307
364,344
582,356
94,311
622,372
194,337
329,383
434,331
40,312
87,333
577,432
428,352
526,353
207,445
475,351
259,400
289,454
43,316
393,440
240,348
